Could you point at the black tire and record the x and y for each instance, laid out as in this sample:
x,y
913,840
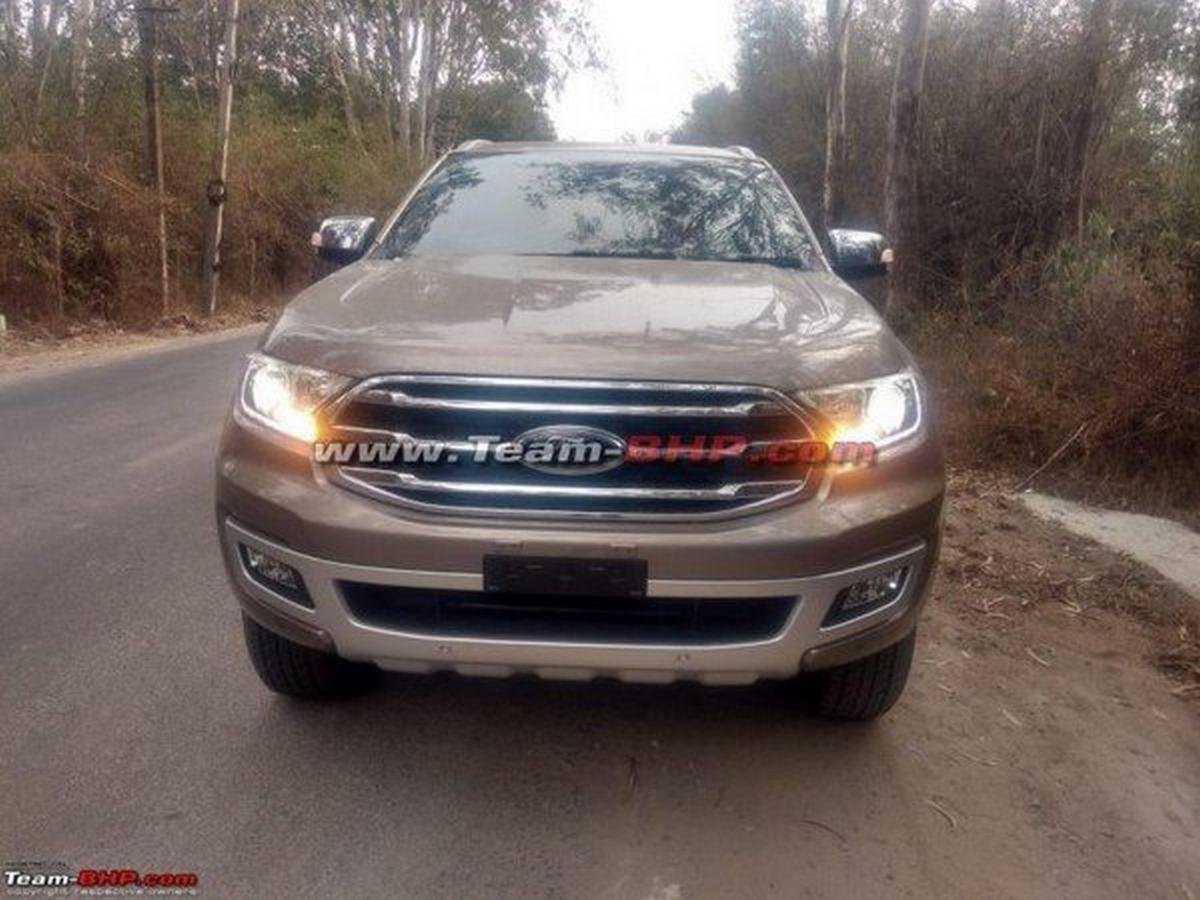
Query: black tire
x,y
864,689
298,671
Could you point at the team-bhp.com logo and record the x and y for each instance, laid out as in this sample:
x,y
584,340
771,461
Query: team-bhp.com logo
x,y
56,879
582,450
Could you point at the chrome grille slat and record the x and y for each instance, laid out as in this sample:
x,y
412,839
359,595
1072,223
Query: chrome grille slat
x,y
453,408
354,433
412,482
741,410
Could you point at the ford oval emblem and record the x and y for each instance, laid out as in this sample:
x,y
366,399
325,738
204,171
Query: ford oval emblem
x,y
570,450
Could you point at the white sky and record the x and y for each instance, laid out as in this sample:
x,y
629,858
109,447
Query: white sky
x,y
659,53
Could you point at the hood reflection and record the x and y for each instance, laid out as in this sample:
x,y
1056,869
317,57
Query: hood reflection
x,y
587,317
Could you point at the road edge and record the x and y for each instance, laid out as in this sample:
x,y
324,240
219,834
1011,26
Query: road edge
x,y
53,363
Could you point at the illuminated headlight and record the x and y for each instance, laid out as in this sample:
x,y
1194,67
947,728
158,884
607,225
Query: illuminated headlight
x,y
285,397
883,412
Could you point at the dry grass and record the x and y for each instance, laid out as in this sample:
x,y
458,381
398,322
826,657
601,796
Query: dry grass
x,y
1098,362
78,233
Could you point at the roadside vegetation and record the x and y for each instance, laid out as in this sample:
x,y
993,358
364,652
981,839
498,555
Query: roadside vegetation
x,y
1053,293
109,119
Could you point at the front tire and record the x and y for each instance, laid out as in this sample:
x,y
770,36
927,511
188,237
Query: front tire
x,y
866,688
298,671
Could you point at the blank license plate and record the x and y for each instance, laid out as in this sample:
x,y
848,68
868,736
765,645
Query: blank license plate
x,y
564,576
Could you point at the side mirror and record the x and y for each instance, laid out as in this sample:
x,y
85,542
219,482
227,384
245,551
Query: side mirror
x,y
859,254
344,239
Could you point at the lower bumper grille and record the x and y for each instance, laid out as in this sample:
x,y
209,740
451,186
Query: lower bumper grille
x,y
595,620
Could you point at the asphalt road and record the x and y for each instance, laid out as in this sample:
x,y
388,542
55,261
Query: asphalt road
x,y
135,733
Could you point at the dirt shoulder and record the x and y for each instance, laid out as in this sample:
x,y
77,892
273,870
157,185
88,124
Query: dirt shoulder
x,y
1019,580
1054,712
22,351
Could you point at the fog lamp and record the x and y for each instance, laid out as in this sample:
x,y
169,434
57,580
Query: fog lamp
x,y
276,575
863,597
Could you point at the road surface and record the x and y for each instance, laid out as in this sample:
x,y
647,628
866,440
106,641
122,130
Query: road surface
x,y
136,735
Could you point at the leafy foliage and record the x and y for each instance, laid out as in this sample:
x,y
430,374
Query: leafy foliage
x,y
338,105
1035,321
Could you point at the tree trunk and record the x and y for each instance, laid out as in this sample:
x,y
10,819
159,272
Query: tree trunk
x,y
10,33
81,25
220,163
147,21
424,15
404,74
339,74
46,60
37,31
426,82
59,287
431,65
431,115
1084,128
395,29
901,181
837,21
358,26
387,101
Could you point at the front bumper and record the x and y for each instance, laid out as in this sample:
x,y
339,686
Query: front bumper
x,y
860,524
802,643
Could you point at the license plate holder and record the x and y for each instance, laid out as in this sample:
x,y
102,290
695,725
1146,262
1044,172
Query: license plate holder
x,y
564,576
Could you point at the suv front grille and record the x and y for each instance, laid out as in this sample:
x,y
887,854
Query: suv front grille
x,y
457,408
598,620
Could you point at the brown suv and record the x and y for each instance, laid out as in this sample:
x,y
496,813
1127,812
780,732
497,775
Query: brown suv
x,y
582,411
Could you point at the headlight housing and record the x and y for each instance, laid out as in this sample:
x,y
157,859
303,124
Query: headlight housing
x,y
883,411
285,397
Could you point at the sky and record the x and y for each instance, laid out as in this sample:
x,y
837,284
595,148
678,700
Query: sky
x,y
659,53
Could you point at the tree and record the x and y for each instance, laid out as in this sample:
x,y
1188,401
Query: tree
x,y
395,25
1089,89
335,36
10,34
901,179
327,97
148,21
429,22
715,118
81,26
837,24
495,111
217,188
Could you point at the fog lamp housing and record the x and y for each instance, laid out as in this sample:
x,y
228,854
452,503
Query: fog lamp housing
x,y
866,596
274,575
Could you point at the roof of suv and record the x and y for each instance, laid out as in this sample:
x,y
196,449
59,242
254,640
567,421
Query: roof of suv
x,y
474,146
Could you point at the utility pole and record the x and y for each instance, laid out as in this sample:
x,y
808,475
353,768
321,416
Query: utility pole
x,y
147,21
217,192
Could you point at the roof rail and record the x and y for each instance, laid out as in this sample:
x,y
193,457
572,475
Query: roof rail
x,y
742,151
471,144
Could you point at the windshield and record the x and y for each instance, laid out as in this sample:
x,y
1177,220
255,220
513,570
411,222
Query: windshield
x,y
616,205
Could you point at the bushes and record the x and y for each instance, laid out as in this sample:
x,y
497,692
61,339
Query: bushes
x,y
78,237
1038,333
1094,348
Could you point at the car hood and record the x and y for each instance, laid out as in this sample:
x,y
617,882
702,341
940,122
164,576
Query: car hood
x,y
587,317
